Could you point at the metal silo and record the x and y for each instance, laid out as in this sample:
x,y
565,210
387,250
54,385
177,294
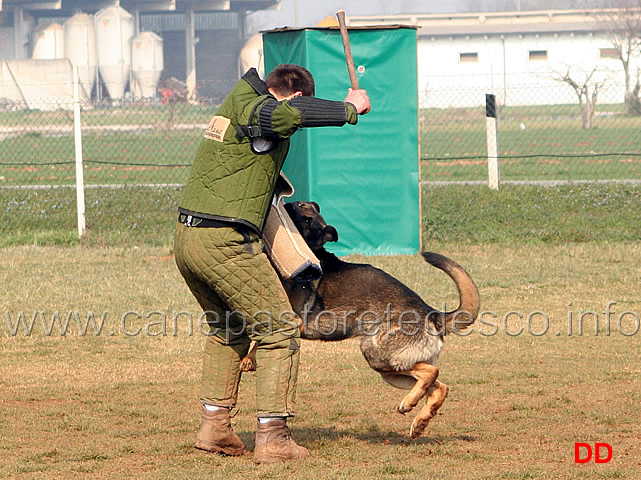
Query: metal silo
x,y
251,55
47,42
114,31
147,62
80,49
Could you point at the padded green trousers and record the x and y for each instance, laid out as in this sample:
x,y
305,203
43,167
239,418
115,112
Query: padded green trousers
x,y
243,299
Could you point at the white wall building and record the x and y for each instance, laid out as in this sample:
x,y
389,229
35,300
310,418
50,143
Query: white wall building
x,y
515,55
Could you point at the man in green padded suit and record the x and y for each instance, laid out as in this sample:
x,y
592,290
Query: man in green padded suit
x,y
219,252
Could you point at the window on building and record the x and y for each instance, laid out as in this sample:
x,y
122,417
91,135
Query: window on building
x,y
608,53
468,57
538,55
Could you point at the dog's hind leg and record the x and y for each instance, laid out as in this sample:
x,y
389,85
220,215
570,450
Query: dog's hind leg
x,y
425,375
436,395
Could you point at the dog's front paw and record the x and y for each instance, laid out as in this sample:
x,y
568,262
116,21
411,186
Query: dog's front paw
x,y
247,365
403,409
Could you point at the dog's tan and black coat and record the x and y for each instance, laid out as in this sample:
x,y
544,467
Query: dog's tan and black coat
x,y
401,335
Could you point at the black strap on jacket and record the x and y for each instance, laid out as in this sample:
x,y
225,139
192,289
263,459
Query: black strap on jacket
x,y
251,76
262,135
250,130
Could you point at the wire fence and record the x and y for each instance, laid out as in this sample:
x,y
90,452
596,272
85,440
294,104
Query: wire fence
x,y
137,155
544,140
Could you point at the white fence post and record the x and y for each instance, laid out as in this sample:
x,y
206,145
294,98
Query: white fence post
x,y
492,142
80,182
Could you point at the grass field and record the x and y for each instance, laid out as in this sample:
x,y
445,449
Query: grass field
x,y
138,144
124,403
100,339
455,213
535,143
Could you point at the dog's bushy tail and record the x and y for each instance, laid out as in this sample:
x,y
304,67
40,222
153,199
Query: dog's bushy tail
x,y
470,302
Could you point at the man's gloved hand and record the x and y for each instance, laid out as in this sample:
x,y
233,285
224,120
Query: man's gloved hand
x,y
360,100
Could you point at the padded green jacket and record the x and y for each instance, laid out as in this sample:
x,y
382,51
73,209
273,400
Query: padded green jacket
x,y
244,148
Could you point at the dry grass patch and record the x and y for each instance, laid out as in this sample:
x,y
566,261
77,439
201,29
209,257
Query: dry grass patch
x,y
124,405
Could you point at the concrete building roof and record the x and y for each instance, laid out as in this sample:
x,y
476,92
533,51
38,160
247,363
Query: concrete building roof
x,y
495,23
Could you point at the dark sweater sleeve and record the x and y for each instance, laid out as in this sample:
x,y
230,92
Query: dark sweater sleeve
x,y
282,119
316,112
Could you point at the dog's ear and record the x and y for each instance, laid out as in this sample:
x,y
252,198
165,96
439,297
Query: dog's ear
x,y
330,234
316,206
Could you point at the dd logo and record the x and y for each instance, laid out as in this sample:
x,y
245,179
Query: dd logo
x,y
586,450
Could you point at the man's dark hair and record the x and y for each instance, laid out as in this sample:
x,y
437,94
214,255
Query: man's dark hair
x,y
288,78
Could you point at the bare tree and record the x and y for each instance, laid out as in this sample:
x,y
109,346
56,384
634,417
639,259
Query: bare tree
x,y
587,91
622,24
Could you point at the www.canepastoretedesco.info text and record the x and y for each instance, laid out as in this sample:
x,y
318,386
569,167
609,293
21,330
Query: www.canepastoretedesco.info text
x,y
156,323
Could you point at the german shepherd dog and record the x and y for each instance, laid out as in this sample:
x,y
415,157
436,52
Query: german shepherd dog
x,y
401,335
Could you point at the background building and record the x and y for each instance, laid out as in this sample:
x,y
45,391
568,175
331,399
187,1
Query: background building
x,y
201,39
461,56
514,55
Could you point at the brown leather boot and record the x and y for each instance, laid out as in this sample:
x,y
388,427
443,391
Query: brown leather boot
x,y
215,434
274,443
